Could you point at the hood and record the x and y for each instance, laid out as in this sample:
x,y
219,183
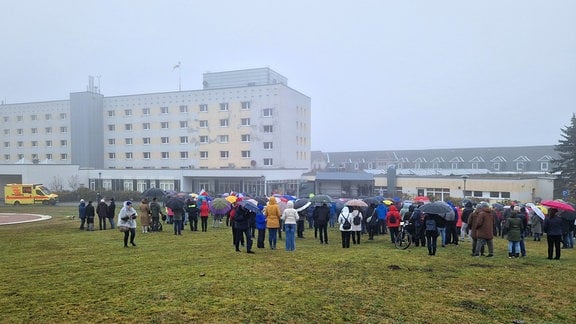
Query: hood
x,y
392,208
290,204
272,201
127,203
345,211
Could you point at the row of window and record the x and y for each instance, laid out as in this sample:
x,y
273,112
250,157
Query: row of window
x,y
47,143
48,156
34,130
204,155
34,117
496,166
443,193
225,122
223,106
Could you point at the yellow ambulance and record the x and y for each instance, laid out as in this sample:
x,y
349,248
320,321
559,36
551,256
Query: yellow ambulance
x,y
27,194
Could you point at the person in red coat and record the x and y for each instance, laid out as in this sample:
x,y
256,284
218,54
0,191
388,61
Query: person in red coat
x,y
204,213
393,221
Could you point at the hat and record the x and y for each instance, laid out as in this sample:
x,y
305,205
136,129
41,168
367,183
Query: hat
x,y
128,203
81,200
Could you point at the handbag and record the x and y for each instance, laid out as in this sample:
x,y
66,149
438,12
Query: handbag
x,y
123,228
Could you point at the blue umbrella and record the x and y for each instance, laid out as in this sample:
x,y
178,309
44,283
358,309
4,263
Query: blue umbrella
x,y
249,206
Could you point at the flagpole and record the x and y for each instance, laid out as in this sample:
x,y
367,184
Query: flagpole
x,y
179,78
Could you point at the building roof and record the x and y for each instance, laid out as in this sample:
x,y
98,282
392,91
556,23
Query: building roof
x,y
343,176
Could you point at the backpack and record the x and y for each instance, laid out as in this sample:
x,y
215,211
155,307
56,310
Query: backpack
x,y
393,219
357,220
431,225
346,225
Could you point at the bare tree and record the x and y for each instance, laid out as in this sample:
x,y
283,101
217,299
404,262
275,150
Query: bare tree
x,y
56,183
74,182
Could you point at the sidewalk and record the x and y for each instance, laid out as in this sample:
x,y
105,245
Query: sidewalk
x,y
17,218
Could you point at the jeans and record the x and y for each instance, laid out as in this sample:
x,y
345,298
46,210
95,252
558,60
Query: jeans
x,y
568,240
431,239
204,221
323,230
393,233
178,227
345,239
442,232
82,223
240,233
101,223
112,223
261,238
554,244
464,231
272,232
291,237
300,228
513,246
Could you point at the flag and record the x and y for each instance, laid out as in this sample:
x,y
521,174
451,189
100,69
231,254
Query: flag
x,y
177,66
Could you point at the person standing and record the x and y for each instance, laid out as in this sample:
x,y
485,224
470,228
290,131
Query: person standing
x,y
82,213
356,230
204,213
155,212
343,218
381,211
484,230
90,215
553,229
372,221
102,211
514,229
465,215
321,218
431,232
261,227
178,219
111,212
145,215
290,217
393,222
536,226
241,221
272,213
193,211
300,223
127,218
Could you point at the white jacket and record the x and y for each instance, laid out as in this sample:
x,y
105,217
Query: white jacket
x,y
290,215
127,211
356,228
344,214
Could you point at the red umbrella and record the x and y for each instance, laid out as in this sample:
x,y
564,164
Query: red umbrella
x,y
423,199
558,205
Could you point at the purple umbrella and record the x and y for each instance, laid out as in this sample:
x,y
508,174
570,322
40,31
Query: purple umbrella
x,y
220,206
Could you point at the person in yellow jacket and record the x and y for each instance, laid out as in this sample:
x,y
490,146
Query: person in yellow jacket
x,y
273,214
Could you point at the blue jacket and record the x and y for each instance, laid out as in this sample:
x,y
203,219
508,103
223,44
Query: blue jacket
x,y
381,211
260,221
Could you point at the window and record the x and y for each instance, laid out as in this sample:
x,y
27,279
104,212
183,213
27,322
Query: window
x,y
34,117
164,125
183,139
223,122
48,143
111,113
63,116
146,155
165,140
146,126
268,129
519,166
223,138
184,109
34,157
494,194
245,104
6,144
111,141
496,166
224,106
7,157
20,156
34,143
267,112
203,139
48,130
63,129
129,155
127,127
245,121
477,193
34,130
49,156
111,156
127,112
245,137
20,143
224,154
268,145
146,111
164,110
245,154
48,116
146,140
165,155
128,141
505,195
19,118
183,124
474,165
64,156
268,162
111,128
203,124
63,143
544,166
203,108
184,155
6,131
6,119
203,155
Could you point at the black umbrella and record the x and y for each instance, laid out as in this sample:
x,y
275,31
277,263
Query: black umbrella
x,y
438,207
175,204
153,193
372,200
261,200
300,202
319,199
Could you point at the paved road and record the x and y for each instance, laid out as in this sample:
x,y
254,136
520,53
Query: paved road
x,y
17,218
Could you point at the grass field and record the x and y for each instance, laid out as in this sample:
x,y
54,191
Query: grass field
x,y
53,272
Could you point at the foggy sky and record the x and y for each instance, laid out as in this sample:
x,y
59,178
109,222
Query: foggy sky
x,y
382,74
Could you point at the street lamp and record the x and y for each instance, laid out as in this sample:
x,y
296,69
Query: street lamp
x,y
99,187
464,178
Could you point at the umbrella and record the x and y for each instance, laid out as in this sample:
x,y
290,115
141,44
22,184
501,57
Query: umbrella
x,y
175,204
372,200
536,210
220,206
306,205
153,193
231,199
558,205
250,206
423,199
388,202
253,201
301,202
261,200
356,203
319,199
438,207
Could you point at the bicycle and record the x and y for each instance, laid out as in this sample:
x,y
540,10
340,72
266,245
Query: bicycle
x,y
403,239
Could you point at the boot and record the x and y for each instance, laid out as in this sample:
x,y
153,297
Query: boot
x,y
509,255
433,251
517,255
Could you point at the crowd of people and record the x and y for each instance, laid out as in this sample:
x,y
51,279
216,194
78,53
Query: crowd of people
x,y
478,223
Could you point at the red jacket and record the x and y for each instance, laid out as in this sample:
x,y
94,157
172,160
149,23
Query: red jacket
x,y
204,209
392,211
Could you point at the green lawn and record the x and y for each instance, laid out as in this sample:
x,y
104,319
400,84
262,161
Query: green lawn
x,y
53,272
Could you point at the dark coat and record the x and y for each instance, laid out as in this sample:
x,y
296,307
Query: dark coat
x,y
515,227
321,215
485,224
111,209
553,225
